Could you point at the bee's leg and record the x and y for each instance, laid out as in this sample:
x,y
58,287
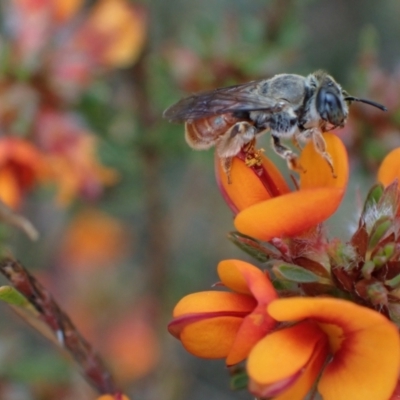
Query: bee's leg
x,y
284,152
303,136
230,143
296,139
320,147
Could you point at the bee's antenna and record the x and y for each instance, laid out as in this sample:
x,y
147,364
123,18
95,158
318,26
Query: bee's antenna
x,y
370,102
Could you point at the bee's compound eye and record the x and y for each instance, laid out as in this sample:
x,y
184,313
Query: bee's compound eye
x,y
329,107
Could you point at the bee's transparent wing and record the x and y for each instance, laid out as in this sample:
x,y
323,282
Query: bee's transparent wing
x,y
252,96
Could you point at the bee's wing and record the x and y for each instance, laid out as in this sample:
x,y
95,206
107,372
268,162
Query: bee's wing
x,y
250,96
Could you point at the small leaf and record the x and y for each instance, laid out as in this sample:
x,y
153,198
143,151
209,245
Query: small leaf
x,y
294,273
360,241
394,282
373,197
379,230
11,295
343,278
389,249
260,251
377,294
239,381
313,266
389,201
368,269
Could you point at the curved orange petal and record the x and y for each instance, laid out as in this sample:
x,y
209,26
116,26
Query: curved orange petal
x,y
283,353
290,214
243,277
305,382
211,301
246,188
317,171
253,328
369,339
389,170
210,338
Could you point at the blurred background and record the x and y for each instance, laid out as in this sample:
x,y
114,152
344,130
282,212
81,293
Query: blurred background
x,y
130,218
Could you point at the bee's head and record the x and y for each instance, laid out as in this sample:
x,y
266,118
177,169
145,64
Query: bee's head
x,y
330,102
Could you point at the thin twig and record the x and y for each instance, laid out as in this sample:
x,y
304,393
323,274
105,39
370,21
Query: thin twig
x,y
66,334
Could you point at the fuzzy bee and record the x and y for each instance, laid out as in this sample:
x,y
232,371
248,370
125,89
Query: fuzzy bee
x,y
289,106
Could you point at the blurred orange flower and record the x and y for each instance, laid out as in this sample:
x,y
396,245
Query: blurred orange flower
x,y
267,209
93,240
344,340
71,158
58,56
389,169
225,324
113,34
118,29
21,165
132,348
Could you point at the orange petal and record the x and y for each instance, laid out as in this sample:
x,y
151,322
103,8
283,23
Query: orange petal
x,y
246,187
296,386
317,171
253,328
283,353
368,340
308,376
207,322
290,214
210,338
203,302
243,277
390,168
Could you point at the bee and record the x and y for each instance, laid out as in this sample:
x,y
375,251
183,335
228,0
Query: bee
x,y
289,106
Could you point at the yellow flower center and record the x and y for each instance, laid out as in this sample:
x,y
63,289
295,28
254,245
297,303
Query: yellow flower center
x,y
335,335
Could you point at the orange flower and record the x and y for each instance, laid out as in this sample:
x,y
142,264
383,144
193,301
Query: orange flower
x,y
225,324
79,172
390,168
20,166
93,240
267,208
118,30
71,157
357,349
132,348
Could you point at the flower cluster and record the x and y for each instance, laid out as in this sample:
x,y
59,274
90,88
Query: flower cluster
x,y
51,54
323,313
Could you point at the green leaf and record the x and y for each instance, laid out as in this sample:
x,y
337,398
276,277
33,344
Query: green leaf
x,y
379,230
239,381
373,197
11,295
262,252
394,282
295,273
